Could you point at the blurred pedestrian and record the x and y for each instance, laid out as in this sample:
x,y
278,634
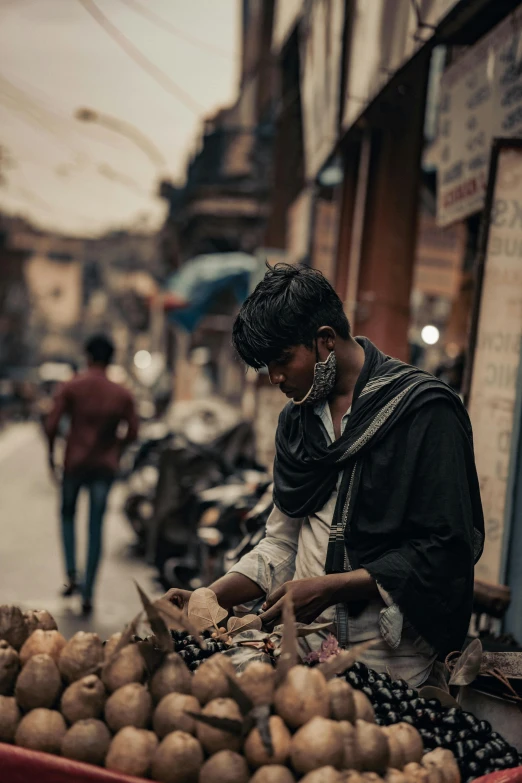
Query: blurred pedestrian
x,y
97,409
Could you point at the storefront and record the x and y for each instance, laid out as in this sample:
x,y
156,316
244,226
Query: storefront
x,y
480,182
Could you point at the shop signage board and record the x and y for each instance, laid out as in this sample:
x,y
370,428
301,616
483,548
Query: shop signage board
x,y
496,342
321,49
481,98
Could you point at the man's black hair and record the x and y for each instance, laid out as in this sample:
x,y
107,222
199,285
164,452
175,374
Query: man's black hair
x,y
287,308
100,349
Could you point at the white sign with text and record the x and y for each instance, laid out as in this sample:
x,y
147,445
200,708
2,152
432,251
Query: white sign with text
x,y
481,98
497,356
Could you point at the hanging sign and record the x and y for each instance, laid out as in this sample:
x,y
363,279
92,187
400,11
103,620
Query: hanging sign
x,y
481,98
496,357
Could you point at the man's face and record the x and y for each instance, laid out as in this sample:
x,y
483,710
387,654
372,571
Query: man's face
x,y
293,371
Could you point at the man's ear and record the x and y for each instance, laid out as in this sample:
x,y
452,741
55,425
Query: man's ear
x,y
326,336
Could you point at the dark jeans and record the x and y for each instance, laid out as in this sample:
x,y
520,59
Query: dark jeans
x,y
99,489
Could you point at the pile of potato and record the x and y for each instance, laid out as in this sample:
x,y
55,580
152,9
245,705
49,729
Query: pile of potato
x,y
103,704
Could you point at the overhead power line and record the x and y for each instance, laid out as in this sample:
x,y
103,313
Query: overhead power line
x,y
34,198
125,129
140,59
17,100
48,118
164,25
122,179
35,114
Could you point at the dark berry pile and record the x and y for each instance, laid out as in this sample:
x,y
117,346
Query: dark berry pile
x,y
477,748
186,645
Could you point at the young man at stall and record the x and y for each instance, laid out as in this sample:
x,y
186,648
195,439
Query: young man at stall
x,y
378,520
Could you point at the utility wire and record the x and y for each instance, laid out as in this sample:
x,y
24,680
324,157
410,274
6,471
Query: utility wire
x,y
15,100
140,59
122,179
125,129
55,123
28,194
33,198
33,113
103,169
164,25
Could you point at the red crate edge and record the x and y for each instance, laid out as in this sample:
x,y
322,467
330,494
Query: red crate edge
x,y
18,765
513,775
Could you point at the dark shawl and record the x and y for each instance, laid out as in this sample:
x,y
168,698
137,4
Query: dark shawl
x,y
388,394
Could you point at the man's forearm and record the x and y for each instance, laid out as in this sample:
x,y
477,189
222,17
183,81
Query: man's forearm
x,y
313,595
235,589
352,586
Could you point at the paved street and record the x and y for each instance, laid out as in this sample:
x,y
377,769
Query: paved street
x,y
31,571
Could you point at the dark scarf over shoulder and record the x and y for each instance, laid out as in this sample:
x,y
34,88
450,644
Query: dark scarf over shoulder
x,y
307,467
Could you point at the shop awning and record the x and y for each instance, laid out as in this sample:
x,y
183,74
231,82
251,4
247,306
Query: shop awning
x,y
190,293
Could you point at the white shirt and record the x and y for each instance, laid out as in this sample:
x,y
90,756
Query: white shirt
x,y
296,549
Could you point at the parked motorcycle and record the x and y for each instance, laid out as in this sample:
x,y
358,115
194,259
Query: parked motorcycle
x,y
253,528
142,479
197,486
224,524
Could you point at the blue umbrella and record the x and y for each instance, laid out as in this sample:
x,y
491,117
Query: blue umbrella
x,y
191,292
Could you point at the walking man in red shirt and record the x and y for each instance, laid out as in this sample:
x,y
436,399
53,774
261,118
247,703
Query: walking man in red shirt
x,y
97,408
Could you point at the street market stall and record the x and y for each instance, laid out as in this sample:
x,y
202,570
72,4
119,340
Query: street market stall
x,y
196,697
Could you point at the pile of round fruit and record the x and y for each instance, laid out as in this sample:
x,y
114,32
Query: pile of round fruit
x,y
478,749
148,715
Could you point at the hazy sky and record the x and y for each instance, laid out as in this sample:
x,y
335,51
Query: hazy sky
x,y
54,58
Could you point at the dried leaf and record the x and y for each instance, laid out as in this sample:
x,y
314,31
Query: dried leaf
x,y
152,656
203,609
243,701
251,636
239,624
175,618
126,639
445,698
224,724
261,716
159,629
468,665
289,656
255,645
345,660
306,630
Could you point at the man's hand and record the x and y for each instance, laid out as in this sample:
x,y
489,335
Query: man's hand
x,y
178,597
230,589
310,596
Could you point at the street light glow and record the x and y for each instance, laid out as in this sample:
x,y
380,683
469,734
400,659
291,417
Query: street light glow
x,y
430,335
143,360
